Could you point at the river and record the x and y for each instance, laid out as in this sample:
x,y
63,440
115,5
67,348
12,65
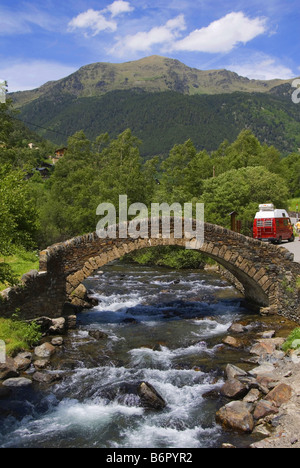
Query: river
x,y
164,327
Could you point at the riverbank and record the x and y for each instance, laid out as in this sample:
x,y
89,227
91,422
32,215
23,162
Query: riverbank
x,y
265,400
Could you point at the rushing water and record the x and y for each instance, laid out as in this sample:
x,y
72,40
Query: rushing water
x,y
164,327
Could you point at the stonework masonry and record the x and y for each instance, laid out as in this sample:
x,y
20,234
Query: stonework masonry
x,y
266,272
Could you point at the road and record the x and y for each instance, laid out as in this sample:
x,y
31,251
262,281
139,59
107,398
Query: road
x,y
293,247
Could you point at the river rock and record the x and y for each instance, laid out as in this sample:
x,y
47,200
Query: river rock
x,y
237,328
266,383
98,334
22,361
17,382
264,408
233,389
263,348
232,371
231,341
261,430
58,341
264,369
45,378
236,415
280,394
8,370
267,334
58,326
45,350
252,396
41,364
150,398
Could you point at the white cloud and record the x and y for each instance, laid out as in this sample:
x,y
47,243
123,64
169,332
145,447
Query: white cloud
x,y
223,35
92,20
143,41
262,67
118,7
23,76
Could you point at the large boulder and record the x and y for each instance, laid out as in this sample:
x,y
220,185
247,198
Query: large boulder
x,y
233,372
234,389
264,408
58,326
17,382
149,397
8,369
236,415
45,350
22,361
280,394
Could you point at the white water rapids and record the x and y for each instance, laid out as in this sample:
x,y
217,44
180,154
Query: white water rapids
x,y
164,327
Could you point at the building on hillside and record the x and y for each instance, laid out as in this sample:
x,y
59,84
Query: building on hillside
x,y
33,146
59,153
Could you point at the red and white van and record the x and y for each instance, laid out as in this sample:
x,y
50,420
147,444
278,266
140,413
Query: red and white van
x,y
272,225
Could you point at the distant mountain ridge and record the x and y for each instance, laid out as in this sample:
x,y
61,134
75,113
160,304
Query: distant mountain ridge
x,y
163,102
150,74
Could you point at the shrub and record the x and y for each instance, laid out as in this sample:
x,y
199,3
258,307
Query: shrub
x,y
293,340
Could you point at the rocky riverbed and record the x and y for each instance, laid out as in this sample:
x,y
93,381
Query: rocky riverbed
x,y
186,365
266,399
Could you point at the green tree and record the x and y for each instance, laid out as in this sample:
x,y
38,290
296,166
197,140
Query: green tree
x,y
242,190
290,168
245,151
18,216
89,174
174,169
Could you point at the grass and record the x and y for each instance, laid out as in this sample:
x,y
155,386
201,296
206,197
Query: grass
x,y
20,263
18,336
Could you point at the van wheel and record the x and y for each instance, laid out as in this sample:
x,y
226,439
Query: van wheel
x,y
292,238
279,240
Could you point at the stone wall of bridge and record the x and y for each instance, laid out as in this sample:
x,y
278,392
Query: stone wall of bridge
x,y
266,272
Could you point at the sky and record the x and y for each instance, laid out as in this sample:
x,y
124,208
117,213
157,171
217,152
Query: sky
x,y
45,41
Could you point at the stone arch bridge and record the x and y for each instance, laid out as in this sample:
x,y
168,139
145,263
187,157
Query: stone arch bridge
x,y
267,272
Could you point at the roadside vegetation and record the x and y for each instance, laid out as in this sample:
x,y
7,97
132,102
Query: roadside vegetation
x,y
293,203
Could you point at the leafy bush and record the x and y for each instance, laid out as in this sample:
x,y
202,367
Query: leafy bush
x,y
19,336
293,340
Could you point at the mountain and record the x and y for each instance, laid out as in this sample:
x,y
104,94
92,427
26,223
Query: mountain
x,y
163,102
151,74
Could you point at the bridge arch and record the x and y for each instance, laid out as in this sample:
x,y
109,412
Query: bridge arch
x,y
267,272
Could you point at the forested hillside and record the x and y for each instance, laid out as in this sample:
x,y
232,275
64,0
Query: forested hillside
x,y
161,120
164,102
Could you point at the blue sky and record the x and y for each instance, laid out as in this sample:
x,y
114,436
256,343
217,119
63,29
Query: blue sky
x,y
43,41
